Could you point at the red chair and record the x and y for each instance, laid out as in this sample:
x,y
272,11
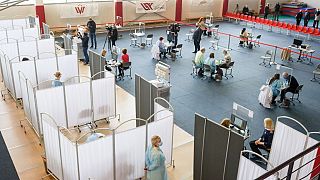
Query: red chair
x,y
305,30
275,23
249,18
245,17
316,32
310,31
280,24
241,16
270,23
258,20
300,28
238,15
293,27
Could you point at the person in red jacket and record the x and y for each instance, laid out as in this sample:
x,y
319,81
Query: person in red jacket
x,y
124,59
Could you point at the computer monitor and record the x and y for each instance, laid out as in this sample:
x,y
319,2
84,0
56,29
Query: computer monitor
x,y
238,122
297,42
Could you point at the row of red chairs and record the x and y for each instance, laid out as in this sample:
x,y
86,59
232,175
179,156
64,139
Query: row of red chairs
x,y
276,24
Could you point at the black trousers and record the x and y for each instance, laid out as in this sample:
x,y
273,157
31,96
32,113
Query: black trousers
x,y
255,148
284,92
306,21
196,45
113,42
316,24
298,21
276,16
265,16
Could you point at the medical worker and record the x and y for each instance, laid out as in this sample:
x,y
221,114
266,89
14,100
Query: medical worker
x,y
155,161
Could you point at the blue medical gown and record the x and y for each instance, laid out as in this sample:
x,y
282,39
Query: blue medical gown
x,y
276,87
155,162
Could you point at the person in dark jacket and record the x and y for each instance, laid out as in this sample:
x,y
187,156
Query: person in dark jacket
x,y
306,18
196,39
265,141
299,17
292,86
85,45
266,11
245,10
276,12
92,32
114,35
316,19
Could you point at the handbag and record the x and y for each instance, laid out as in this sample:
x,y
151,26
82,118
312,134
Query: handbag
x,y
104,51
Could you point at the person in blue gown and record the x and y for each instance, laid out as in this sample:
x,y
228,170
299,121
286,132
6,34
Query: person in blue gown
x,y
155,161
275,85
56,82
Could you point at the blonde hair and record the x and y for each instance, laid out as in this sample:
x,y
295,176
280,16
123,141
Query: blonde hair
x,y
226,122
57,74
268,123
155,139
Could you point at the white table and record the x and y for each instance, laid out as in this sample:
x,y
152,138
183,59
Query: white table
x,y
139,35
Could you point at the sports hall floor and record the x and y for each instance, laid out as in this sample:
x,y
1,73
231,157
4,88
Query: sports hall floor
x,y
215,99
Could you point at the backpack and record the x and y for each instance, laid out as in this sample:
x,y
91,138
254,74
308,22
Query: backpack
x,y
286,103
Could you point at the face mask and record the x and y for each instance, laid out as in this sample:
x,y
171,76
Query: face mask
x,y
160,144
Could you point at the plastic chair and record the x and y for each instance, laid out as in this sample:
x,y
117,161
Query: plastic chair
x,y
229,68
293,27
316,74
266,59
280,24
297,93
300,28
126,66
257,41
133,40
275,23
310,31
178,49
305,30
149,38
316,32
195,69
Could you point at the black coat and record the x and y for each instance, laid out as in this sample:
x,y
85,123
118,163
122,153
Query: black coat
x,y
299,15
92,26
197,35
85,41
307,16
277,8
245,10
114,34
293,82
266,10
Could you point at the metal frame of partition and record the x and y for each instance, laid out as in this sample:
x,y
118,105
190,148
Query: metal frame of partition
x,y
113,131
69,81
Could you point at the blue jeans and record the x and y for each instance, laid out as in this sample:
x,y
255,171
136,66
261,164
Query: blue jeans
x,y
93,37
86,56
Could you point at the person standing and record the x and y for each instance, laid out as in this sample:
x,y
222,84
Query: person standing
x,y
114,35
316,18
85,45
92,32
196,39
266,11
299,17
306,18
276,12
245,10
155,161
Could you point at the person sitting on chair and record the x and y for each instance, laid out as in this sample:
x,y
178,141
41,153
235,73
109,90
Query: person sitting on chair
x,y
226,60
124,59
244,37
56,82
211,62
265,141
275,85
199,60
292,86
162,47
245,10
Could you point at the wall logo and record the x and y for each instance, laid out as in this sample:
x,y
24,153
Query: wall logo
x,y
80,9
147,6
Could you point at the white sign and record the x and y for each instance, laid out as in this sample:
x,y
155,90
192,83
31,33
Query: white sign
x,y
77,10
150,6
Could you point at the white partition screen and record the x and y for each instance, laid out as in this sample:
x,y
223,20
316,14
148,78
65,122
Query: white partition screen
x,y
28,69
6,23
130,153
23,23
69,158
24,94
45,46
52,146
46,69
28,48
164,128
16,34
68,66
287,142
304,171
78,101
249,170
51,101
96,159
104,100
31,32
35,120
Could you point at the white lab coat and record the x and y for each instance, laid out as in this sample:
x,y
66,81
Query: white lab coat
x,y
155,51
265,96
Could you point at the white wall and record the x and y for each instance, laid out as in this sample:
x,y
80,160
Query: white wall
x,y
192,9
312,3
106,14
17,12
129,12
